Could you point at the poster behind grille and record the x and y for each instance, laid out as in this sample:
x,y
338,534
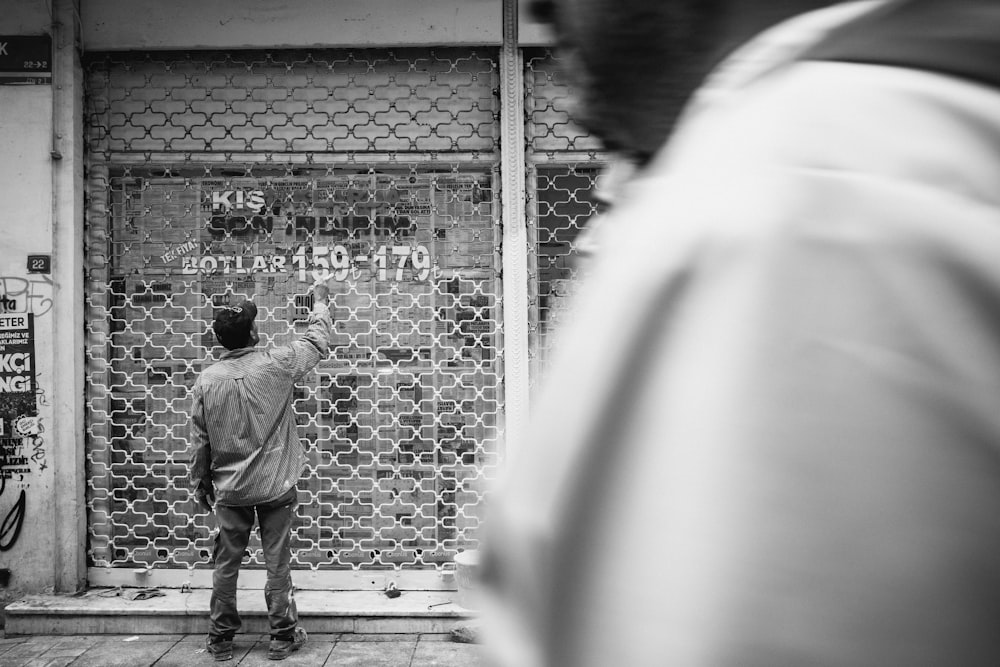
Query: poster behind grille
x,y
400,420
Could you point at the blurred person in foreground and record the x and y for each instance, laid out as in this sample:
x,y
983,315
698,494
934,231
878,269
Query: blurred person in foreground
x,y
771,434
247,459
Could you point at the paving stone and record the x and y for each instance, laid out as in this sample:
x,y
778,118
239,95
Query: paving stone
x,y
42,642
250,650
49,662
191,651
313,654
371,654
21,653
65,651
447,654
6,647
90,640
123,654
6,641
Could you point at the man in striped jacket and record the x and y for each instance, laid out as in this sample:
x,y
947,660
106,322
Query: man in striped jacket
x,y
247,459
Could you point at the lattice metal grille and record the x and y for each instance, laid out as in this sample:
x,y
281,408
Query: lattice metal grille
x,y
564,162
255,175
550,127
563,205
297,102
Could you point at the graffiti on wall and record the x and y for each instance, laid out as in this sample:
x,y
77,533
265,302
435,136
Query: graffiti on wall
x,y
26,295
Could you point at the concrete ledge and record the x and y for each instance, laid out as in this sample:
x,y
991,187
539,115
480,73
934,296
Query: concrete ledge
x,y
110,611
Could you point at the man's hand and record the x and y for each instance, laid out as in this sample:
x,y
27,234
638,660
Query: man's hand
x,y
321,292
205,494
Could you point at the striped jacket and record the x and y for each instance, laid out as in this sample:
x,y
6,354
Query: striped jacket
x,y
244,437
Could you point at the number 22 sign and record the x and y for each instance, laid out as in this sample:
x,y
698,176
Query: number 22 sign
x,y
39,263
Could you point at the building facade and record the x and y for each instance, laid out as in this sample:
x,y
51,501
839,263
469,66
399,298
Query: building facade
x,y
167,159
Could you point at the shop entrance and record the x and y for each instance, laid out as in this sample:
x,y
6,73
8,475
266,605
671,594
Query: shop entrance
x,y
253,177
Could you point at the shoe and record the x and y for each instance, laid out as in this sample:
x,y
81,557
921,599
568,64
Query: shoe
x,y
282,648
221,649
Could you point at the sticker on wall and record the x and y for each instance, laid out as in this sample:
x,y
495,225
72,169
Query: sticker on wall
x,y
27,425
17,368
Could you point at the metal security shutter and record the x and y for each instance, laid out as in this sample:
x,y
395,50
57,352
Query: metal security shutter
x,y
563,164
213,177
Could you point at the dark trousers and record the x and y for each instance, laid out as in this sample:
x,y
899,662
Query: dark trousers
x,y
274,519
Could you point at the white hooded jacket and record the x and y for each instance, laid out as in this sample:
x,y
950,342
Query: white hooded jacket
x,y
772,434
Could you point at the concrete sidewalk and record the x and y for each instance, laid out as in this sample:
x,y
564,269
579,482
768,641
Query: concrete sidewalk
x,y
170,611
329,650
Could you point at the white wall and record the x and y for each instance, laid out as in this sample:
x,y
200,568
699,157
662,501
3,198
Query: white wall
x,y
26,227
110,25
41,139
24,17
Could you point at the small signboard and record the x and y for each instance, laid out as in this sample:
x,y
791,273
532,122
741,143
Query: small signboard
x,y
39,263
25,59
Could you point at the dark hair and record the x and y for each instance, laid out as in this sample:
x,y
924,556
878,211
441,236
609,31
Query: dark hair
x,y
233,340
632,64
542,11
233,325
